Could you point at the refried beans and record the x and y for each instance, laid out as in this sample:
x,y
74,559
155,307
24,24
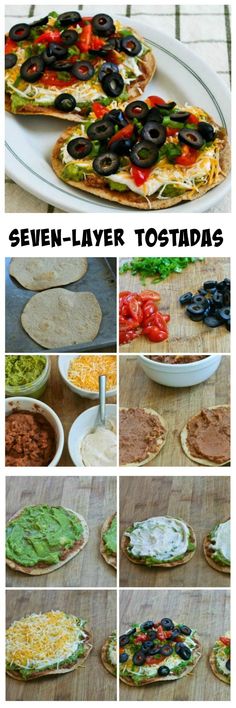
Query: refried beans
x,y
177,359
141,433
208,435
30,440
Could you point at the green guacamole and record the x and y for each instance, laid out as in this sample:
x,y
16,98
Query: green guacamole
x,y
23,370
110,536
41,534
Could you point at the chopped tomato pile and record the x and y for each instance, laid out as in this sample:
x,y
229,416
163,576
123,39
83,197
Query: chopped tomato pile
x,y
225,640
139,315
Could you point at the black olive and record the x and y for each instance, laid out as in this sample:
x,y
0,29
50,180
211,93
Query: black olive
x,y
39,23
10,60
151,634
226,282
139,658
191,137
32,69
228,325
19,32
65,102
167,624
155,132
57,50
131,45
117,117
147,645
136,109
106,164
124,639
69,18
224,314
154,114
106,68
48,56
186,298
131,632
165,106
207,131
103,25
144,154
154,650
163,671
212,321
222,285
112,84
79,147
210,284
226,297
181,116
146,625
175,634
218,298
61,65
228,664
166,650
101,130
184,630
82,70
69,37
183,651
121,146
199,300
123,657
202,291
195,312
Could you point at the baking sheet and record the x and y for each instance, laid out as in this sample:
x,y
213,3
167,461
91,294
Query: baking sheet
x,y
100,279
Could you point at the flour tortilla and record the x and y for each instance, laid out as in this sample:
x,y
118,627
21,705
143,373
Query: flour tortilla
x,y
58,317
147,65
80,661
108,557
36,570
98,186
42,273
225,679
108,666
209,551
159,442
171,564
196,654
200,460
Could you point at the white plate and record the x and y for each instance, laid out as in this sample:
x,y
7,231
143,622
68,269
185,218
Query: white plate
x,y
181,75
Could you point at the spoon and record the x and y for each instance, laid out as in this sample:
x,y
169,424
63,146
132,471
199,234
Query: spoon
x,y
101,419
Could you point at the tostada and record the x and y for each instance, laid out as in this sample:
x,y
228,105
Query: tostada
x,y
216,547
108,541
109,653
220,658
160,541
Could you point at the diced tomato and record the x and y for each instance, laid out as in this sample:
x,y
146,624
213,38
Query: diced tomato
x,y
168,634
135,310
155,101
166,318
225,640
155,334
84,20
99,109
113,56
149,295
141,638
126,337
50,78
140,174
192,119
154,659
49,36
84,41
188,157
171,132
96,42
139,314
160,633
124,133
148,309
10,46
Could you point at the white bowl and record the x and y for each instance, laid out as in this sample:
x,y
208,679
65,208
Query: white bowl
x,y
36,406
82,426
63,366
180,375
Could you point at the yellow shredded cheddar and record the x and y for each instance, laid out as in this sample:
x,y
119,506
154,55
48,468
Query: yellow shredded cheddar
x,y
84,371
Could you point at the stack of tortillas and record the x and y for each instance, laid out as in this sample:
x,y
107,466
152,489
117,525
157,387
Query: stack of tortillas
x,y
57,317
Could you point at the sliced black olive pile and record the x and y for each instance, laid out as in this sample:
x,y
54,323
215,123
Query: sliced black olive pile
x,y
150,645
211,304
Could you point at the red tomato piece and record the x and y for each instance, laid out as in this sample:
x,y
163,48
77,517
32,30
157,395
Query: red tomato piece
x,y
49,36
99,109
155,100
50,78
141,638
149,295
154,333
84,41
96,42
225,640
171,131
148,309
154,660
10,46
124,133
135,310
188,157
192,119
140,175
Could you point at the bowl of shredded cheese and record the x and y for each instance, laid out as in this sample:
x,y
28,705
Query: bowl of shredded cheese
x,y
81,373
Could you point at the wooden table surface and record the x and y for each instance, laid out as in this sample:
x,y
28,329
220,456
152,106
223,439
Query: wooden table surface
x,y
208,611
88,683
200,501
67,404
184,334
176,405
95,499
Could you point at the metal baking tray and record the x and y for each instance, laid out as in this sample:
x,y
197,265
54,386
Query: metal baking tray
x,y
100,279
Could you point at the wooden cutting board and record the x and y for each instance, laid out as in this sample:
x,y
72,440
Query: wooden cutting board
x,y
176,405
201,501
95,499
67,404
208,611
184,335
91,682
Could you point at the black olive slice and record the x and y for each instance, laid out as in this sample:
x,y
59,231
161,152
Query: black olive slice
x,y
228,664
163,671
196,312
139,658
103,24
57,50
61,65
10,60
48,56
212,321
147,645
199,300
144,154
19,32
69,18
206,130
218,298
106,68
191,137
184,629
166,650
124,639
112,84
167,624
82,70
210,284
123,657
101,130
151,633
117,117
32,69
186,298
226,297
155,650
136,109
154,114
147,625
79,148
165,106
180,116
39,23
131,632
184,652
121,146
155,132
65,102
69,37
131,45
106,164
224,314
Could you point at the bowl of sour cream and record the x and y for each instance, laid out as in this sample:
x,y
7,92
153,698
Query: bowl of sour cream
x,y
92,445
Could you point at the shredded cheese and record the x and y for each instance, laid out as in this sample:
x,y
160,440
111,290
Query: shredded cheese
x,y
84,371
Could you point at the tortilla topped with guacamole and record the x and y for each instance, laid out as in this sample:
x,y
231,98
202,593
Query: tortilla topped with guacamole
x,y
108,543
